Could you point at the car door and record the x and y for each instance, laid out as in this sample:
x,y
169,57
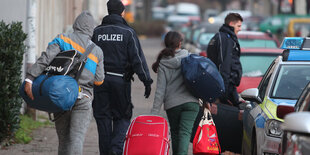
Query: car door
x,y
253,114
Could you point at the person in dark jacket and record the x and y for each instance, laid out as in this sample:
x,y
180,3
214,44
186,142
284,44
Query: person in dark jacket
x,y
224,51
112,105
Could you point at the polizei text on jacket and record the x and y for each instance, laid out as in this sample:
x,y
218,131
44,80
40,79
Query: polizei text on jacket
x,y
110,37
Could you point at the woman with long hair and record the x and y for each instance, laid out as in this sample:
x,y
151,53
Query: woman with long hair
x,y
180,105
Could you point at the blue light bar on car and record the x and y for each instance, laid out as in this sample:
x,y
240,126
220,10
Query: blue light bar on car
x,y
292,43
298,55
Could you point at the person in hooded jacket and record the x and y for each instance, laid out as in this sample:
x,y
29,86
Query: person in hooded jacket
x,y
71,126
112,105
180,105
224,51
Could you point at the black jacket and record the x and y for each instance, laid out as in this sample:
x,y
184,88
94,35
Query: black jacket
x,y
227,61
121,48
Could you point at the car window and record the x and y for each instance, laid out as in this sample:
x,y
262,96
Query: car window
x,y
276,21
255,65
205,38
244,43
264,83
303,103
188,35
195,35
301,29
306,106
290,82
287,20
184,30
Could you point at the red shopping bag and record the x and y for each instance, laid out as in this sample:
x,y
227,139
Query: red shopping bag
x,y
206,139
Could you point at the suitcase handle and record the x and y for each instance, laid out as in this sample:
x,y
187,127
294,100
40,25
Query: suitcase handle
x,y
165,139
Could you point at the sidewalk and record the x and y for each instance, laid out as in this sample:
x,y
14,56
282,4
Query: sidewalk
x,y
45,140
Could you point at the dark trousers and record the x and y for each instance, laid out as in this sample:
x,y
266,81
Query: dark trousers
x,y
112,110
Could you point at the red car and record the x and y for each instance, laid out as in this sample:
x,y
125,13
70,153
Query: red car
x,y
256,39
255,62
251,39
258,50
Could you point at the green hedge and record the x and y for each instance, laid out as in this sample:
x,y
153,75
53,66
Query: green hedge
x,y
12,49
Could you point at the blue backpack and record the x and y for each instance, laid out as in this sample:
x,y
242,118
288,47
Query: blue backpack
x,y
202,78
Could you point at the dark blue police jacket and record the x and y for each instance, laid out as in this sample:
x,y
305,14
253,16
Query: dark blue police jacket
x,y
121,47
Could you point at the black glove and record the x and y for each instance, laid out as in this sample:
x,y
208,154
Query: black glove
x,y
147,91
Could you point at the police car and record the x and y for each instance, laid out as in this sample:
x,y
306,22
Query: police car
x,y
282,84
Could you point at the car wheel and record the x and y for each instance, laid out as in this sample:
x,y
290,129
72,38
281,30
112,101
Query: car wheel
x,y
253,145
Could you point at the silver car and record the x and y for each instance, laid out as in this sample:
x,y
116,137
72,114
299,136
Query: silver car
x,y
296,126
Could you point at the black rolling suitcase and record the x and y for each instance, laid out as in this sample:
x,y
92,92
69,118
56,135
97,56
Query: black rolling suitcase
x,y
229,125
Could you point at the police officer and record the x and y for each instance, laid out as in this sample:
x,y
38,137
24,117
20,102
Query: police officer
x,y
123,57
224,51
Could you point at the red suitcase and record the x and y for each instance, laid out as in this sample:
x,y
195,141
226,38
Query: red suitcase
x,y
147,135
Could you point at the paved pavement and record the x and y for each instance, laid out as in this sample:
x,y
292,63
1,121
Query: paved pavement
x,y
45,140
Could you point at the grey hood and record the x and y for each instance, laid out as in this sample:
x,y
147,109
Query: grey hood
x,y
174,62
84,23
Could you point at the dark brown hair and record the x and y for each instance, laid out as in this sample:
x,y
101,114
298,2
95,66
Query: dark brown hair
x,y
172,42
233,17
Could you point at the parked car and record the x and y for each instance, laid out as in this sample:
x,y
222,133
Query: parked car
x,y
158,13
283,83
192,38
255,62
169,10
298,27
219,19
247,39
277,23
252,23
257,39
183,13
201,35
210,13
296,133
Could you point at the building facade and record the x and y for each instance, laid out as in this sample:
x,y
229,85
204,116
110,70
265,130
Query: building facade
x,y
42,20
